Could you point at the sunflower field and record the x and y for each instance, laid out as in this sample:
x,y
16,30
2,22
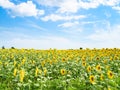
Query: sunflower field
x,y
84,69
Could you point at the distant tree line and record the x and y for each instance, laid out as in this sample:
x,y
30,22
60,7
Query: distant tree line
x,y
3,47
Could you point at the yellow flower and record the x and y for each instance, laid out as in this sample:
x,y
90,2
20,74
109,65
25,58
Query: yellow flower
x,y
110,74
15,63
12,57
0,62
83,63
77,60
23,61
109,88
89,68
63,71
97,58
36,71
40,71
98,67
22,75
45,71
108,67
33,62
101,77
50,62
111,58
43,63
92,79
105,61
63,60
83,59
15,72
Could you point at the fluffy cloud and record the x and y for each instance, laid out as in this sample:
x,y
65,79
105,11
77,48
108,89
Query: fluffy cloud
x,y
68,6
56,17
6,4
69,24
96,3
109,2
72,6
117,8
23,9
88,5
107,38
63,6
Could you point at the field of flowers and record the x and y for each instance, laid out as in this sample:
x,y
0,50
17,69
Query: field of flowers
x,y
87,69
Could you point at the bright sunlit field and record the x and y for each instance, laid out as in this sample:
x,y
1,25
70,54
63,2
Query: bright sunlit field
x,y
85,69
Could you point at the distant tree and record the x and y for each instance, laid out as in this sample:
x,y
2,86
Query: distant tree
x,y
3,47
12,48
81,48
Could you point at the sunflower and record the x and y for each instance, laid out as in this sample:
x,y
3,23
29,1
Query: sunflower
x,y
45,71
63,71
107,67
109,88
98,67
92,79
83,59
89,68
22,75
50,62
23,61
63,60
43,63
15,63
36,71
101,77
83,63
40,71
97,58
110,74
0,62
105,61
15,72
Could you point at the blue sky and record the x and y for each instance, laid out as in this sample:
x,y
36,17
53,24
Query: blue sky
x,y
61,24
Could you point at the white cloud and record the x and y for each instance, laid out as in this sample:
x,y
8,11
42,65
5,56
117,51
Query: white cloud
x,y
63,6
6,4
88,5
111,2
52,3
72,6
69,24
73,31
107,38
43,43
23,9
38,27
69,6
96,3
56,17
117,8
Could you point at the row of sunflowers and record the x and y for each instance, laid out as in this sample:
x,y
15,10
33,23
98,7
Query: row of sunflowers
x,y
85,69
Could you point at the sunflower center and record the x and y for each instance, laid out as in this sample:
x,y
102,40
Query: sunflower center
x,y
98,68
92,79
111,74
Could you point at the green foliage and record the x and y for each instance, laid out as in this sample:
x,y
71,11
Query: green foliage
x,y
59,69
